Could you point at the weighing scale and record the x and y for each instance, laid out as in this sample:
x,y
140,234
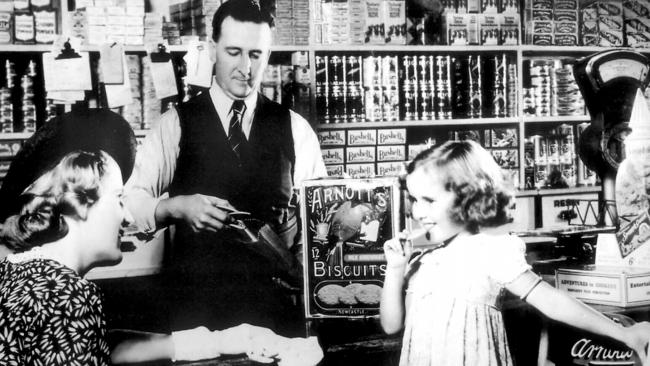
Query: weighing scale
x,y
609,82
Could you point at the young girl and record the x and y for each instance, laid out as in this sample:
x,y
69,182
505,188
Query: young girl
x,y
449,312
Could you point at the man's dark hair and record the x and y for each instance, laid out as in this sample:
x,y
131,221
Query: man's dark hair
x,y
242,11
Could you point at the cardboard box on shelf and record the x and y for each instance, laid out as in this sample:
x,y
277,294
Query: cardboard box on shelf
x,y
618,286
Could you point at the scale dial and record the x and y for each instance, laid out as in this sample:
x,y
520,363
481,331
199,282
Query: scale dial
x,y
622,67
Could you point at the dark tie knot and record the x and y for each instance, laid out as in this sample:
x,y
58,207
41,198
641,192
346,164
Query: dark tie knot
x,y
238,107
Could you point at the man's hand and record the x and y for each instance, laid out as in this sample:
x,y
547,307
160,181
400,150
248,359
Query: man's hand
x,y
199,211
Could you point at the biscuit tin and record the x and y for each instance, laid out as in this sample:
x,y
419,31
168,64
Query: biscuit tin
x,y
344,227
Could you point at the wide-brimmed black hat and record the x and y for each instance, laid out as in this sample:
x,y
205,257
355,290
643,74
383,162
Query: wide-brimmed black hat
x,y
88,130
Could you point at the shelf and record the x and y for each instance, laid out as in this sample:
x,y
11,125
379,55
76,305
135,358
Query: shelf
x,y
556,119
434,123
15,136
558,191
26,135
410,48
526,49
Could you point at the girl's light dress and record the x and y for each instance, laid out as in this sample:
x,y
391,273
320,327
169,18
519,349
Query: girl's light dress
x,y
451,302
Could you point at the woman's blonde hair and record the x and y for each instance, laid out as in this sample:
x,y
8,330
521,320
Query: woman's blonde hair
x,y
483,197
68,189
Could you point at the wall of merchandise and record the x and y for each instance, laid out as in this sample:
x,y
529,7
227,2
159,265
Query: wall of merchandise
x,y
379,80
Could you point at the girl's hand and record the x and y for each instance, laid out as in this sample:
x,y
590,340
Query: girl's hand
x,y
638,336
398,251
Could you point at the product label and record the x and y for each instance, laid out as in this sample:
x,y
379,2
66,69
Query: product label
x,y
346,222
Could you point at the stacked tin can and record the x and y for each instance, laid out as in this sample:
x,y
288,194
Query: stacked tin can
x,y
499,101
410,88
418,89
6,100
443,87
28,106
569,99
584,175
426,89
336,81
567,153
475,86
540,159
322,89
541,80
353,89
372,85
460,95
390,83
512,88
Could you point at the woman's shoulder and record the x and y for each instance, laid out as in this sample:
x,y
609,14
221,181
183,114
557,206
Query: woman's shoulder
x,y
42,280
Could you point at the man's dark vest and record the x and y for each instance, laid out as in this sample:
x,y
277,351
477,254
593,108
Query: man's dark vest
x,y
215,280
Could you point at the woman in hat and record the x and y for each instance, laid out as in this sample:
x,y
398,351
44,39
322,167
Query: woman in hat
x,y
61,214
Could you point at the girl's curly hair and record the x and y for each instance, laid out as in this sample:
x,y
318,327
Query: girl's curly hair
x,y
483,196
70,189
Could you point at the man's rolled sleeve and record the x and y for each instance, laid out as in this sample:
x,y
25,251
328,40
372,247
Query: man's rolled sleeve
x,y
155,164
309,159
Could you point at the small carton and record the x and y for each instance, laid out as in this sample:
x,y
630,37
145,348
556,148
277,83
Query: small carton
x,y
618,286
334,170
489,28
374,22
391,153
365,170
331,137
362,137
333,156
390,169
361,154
395,21
393,136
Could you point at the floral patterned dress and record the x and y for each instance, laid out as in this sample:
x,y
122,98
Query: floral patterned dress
x,y
452,316
49,316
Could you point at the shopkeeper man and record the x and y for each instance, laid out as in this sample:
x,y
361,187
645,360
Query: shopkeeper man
x,y
229,147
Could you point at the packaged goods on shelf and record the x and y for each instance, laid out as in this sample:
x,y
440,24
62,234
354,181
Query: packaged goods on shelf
x,y
9,148
391,169
394,136
551,161
24,32
363,137
333,155
45,26
391,153
359,21
414,150
331,137
606,285
365,170
553,90
360,154
150,104
153,28
335,170
21,6
6,24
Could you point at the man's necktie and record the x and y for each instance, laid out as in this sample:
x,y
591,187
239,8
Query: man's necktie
x,y
236,135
